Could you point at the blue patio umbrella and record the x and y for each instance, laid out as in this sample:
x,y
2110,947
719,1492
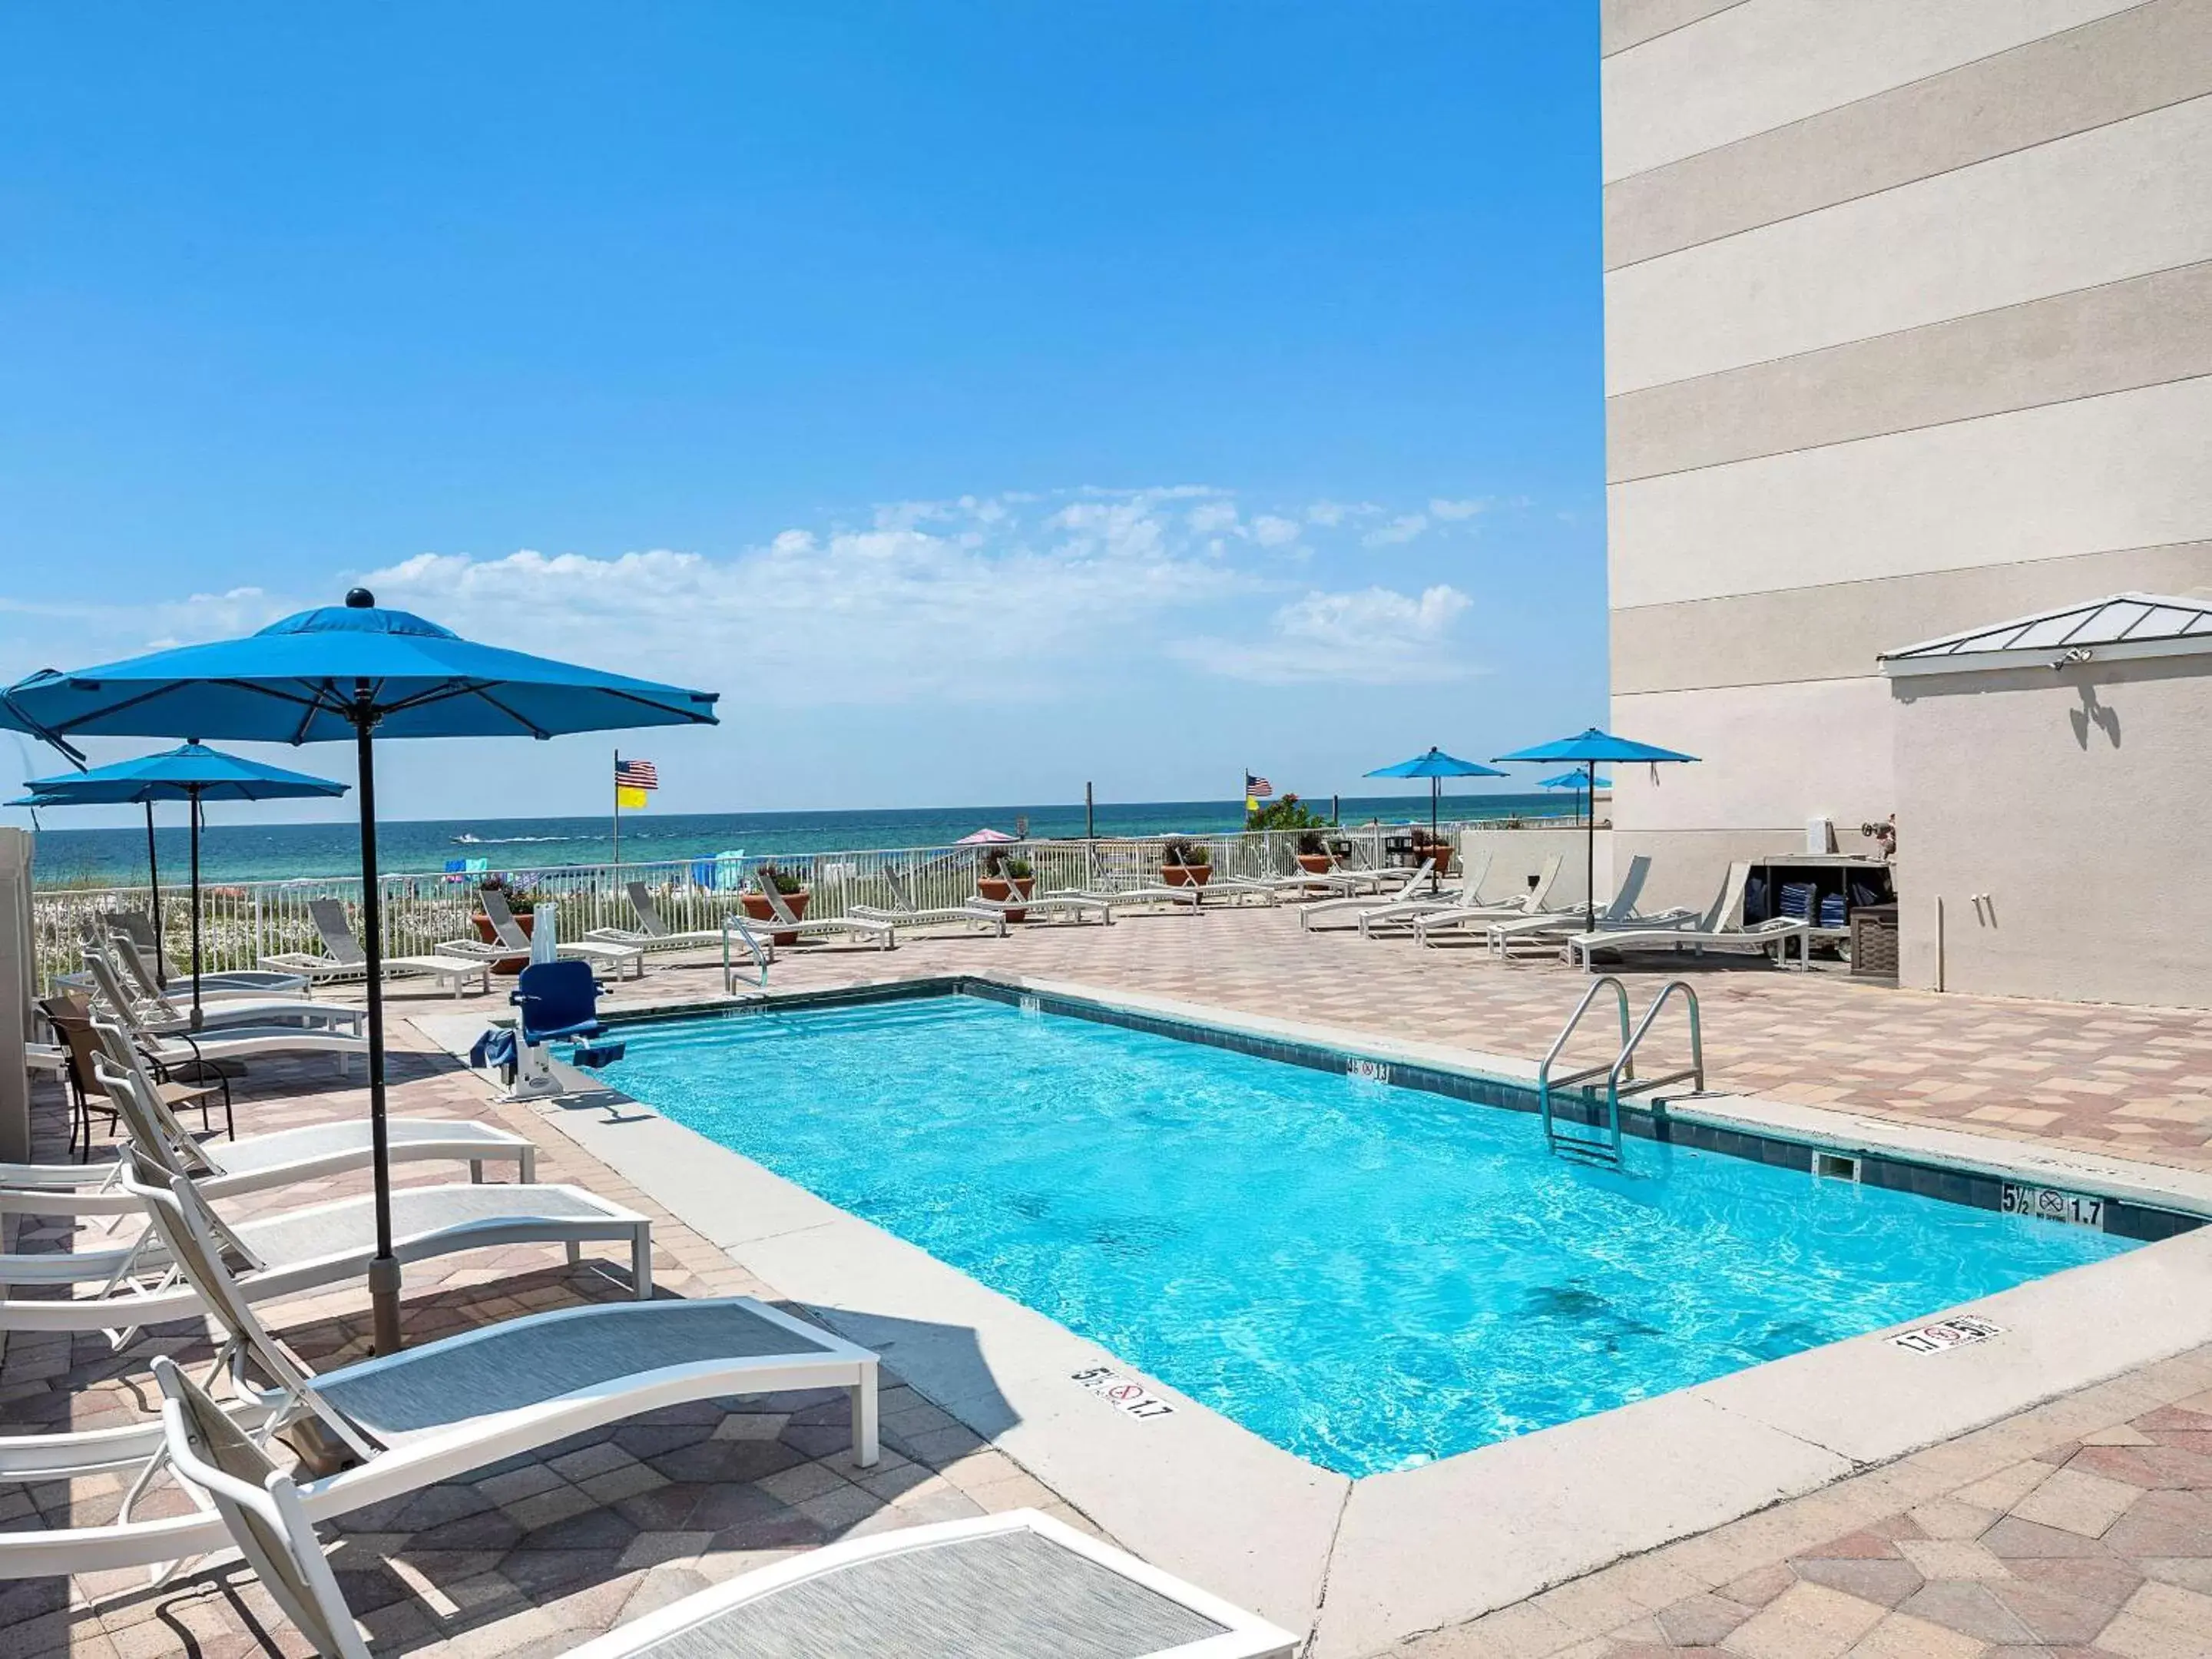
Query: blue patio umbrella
x,y
193,774
353,672
1436,766
1581,783
1587,749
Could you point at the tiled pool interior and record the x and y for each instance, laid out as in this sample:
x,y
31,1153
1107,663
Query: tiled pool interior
x,y
1370,1276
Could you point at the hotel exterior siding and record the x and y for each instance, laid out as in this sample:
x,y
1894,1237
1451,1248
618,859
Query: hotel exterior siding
x,y
1908,327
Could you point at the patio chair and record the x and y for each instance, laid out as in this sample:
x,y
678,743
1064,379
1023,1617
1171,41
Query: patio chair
x,y
903,912
1018,1585
190,1053
1529,903
1367,910
1549,931
343,957
157,972
783,923
71,1015
280,1158
511,941
429,1413
293,1250
652,934
1720,930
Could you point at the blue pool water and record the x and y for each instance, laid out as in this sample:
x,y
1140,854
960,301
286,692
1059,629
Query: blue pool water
x,y
1368,1276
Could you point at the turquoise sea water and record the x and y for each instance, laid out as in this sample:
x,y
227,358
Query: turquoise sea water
x,y
234,848
1366,1275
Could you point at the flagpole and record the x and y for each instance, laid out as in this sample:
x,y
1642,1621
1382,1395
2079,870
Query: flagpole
x,y
618,809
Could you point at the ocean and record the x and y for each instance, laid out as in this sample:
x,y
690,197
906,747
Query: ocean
x,y
278,852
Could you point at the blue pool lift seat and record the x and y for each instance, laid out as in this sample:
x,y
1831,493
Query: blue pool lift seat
x,y
557,1000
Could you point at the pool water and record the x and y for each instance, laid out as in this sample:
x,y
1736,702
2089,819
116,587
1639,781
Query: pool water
x,y
1368,1276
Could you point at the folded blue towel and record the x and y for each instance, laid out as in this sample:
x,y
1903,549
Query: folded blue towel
x,y
1797,900
1833,912
495,1047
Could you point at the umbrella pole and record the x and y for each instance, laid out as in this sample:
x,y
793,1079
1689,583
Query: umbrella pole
x,y
192,801
1435,789
1590,859
383,1272
153,894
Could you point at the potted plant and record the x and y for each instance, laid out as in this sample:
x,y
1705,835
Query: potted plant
x,y
1290,813
522,903
1437,848
787,884
1186,863
1005,876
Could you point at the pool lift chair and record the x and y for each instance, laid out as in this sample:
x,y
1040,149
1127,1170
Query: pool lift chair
x,y
559,1001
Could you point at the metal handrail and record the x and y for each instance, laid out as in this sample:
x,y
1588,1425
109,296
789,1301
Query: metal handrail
x,y
1544,1081
762,955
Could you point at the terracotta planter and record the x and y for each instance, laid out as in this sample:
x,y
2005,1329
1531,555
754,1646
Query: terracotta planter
x,y
525,919
1440,851
1186,875
756,909
999,889
1317,864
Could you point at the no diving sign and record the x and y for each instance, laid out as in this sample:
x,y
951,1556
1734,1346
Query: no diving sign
x,y
1124,1394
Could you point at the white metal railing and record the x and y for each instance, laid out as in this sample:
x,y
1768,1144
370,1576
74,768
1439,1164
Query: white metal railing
x,y
242,921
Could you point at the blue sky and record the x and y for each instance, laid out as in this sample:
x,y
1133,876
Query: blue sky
x,y
983,398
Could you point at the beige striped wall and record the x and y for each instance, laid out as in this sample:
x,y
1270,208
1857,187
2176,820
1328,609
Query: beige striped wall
x,y
1908,327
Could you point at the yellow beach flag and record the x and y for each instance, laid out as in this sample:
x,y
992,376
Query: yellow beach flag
x,y
629,799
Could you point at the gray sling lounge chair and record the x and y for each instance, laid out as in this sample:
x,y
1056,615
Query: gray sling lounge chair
x,y
1113,888
301,1249
1548,931
781,921
511,941
156,972
1014,1586
1721,929
652,934
343,957
431,1413
903,912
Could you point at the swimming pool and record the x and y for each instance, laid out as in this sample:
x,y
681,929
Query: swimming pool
x,y
1369,1276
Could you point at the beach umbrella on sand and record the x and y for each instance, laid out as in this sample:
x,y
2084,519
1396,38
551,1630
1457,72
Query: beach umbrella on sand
x,y
1581,783
1436,766
985,838
1589,749
353,672
194,773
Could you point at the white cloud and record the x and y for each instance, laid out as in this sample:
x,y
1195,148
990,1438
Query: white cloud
x,y
1369,637
1403,528
1271,531
1451,512
1213,516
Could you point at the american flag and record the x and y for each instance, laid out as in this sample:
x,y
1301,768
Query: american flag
x,y
636,774
1258,787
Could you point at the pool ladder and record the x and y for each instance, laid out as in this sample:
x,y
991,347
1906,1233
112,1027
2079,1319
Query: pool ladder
x,y
1572,1140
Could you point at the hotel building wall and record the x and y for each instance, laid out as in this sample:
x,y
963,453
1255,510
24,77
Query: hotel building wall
x,y
1908,329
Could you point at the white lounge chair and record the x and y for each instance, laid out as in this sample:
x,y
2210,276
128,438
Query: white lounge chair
x,y
1018,1585
427,1413
1112,889
293,1250
1367,910
281,1157
187,1052
511,941
343,957
1549,931
157,1010
1438,922
154,972
881,933
903,912
1721,929
652,934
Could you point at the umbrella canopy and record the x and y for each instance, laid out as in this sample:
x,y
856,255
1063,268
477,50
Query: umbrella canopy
x,y
1578,782
192,773
985,838
1587,748
1436,766
358,671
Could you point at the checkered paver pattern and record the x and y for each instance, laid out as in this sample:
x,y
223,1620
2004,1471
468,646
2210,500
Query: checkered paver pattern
x,y
2082,1528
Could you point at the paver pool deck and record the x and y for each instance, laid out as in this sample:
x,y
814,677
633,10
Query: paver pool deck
x,y
2081,1526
